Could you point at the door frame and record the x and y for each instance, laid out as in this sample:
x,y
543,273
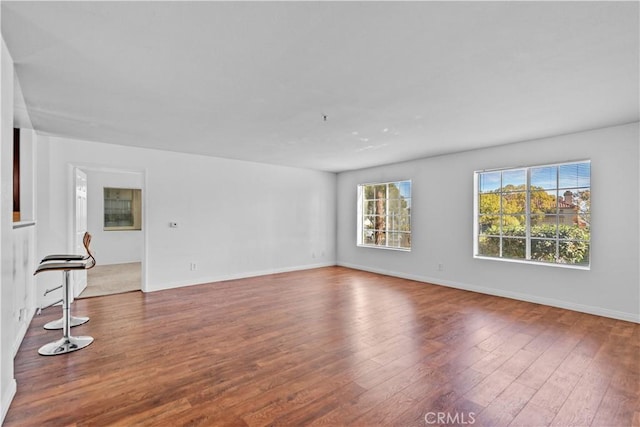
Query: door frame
x,y
71,217
79,278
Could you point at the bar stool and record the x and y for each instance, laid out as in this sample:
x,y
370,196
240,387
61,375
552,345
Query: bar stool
x,y
67,343
73,320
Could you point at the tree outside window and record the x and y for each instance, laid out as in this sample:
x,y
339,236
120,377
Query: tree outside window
x,y
384,218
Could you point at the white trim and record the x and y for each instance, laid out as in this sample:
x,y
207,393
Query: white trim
x,y
598,311
359,203
122,228
214,279
533,262
22,331
7,398
145,234
389,248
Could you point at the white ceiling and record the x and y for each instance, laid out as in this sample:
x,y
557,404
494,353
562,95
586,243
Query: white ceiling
x,y
252,80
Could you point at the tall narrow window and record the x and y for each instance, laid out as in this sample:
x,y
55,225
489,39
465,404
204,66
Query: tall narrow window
x,y
122,209
539,214
384,215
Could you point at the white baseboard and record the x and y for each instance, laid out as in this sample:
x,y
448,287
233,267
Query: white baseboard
x,y
24,326
7,398
222,278
598,311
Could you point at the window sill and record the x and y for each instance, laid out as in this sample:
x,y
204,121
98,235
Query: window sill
x,y
121,229
545,264
388,248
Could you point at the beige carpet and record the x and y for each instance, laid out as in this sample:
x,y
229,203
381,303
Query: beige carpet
x,y
113,279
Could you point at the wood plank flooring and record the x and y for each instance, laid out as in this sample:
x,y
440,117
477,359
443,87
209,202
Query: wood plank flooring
x,y
329,347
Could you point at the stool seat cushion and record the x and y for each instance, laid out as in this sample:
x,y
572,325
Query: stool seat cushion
x,y
63,257
61,266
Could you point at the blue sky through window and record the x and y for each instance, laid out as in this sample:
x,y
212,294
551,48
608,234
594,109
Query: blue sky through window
x,y
517,178
489,181
405,189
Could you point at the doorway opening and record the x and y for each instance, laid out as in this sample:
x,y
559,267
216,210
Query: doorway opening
x,y
113,279
114,217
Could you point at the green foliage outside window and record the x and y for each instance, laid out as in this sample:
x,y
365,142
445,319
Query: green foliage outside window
x,y
573,246
386,215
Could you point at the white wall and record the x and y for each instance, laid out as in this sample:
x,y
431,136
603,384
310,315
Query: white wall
x,y
111,247
442,224
236,219
17,250
7,294
23,242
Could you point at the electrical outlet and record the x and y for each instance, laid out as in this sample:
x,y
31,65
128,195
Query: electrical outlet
x,y
193,266
440,266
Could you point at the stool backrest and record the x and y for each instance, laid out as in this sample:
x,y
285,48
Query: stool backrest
x,y
86,240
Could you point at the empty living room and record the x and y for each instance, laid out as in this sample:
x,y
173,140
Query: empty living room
x,y
320,213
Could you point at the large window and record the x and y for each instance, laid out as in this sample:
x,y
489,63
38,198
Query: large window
x,y
122,209
384,215
539,214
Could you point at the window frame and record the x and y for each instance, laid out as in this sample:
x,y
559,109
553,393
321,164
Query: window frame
x,y
527,214
361,215
136,210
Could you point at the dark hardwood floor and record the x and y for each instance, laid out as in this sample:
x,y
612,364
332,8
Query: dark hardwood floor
x,y
330,346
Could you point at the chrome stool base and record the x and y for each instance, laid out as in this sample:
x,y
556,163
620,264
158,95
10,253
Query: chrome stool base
x,y
65,345
73,321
